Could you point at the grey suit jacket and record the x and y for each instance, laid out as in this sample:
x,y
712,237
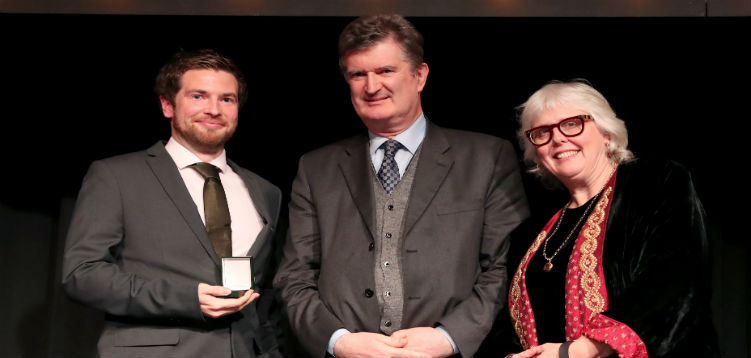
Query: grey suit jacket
x,y
466,198
137,249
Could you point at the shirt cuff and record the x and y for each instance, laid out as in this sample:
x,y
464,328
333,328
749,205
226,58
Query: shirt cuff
x,y
448,336
338,334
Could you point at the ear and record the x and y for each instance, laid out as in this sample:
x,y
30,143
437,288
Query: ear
x,y
422,76
168,109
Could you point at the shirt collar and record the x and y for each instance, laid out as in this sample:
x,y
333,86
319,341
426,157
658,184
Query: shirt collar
x,y
183,157
411,138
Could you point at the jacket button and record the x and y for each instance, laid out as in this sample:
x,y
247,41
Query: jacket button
x,y
387,323
371,246
388,235
390,207
368,293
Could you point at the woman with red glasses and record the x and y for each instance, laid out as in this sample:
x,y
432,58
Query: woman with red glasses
x,y
622,268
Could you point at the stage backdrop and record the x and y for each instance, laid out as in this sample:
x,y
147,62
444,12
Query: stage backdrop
x,y
76,88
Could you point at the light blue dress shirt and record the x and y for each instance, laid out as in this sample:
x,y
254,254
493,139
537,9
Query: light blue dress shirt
x,y
411,139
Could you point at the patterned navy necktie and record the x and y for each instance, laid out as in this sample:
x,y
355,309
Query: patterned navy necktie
x,y
389,172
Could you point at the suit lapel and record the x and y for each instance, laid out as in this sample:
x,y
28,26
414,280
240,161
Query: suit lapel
x,y
355,165
433,165
260,202
168,175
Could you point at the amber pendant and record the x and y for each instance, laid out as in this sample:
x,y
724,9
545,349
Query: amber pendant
x,y
548,266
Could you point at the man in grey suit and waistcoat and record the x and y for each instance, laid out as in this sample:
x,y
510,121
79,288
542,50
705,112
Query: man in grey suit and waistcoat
x,y
138,247
398,237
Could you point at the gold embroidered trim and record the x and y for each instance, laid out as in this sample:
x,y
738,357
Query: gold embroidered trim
x,y
589,281
516,291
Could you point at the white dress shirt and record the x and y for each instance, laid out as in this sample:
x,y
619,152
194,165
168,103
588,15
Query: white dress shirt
x,y
246,223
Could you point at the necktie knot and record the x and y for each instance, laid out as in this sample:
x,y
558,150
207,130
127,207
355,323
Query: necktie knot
x,y
390,147
389,172
206,170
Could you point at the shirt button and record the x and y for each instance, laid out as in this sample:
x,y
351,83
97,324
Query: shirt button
x,y
388,235
371,246
368,293
387,323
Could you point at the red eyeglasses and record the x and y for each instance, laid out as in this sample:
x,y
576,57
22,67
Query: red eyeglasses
x,y
570,127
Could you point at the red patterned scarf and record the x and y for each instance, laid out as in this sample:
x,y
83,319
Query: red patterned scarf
x,y
586,296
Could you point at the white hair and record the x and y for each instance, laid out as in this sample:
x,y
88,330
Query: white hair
x,y
580,95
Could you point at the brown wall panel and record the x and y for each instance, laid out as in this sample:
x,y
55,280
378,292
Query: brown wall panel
x,y
493,8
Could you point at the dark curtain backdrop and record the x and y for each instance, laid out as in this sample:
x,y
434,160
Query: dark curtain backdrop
x,y
77,88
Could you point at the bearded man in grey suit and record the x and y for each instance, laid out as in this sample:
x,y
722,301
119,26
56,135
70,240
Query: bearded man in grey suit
x,y
398,238
138,248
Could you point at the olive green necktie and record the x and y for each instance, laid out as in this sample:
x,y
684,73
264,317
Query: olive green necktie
x,y
215,209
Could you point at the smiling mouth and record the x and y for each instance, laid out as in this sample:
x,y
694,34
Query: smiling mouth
x,y
211,124
566,154
375,100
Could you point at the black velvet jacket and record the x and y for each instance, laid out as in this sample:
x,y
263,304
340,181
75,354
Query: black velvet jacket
x,y
655,262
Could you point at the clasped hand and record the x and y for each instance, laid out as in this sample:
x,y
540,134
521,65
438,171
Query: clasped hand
x,y
547,350
582,347
419,342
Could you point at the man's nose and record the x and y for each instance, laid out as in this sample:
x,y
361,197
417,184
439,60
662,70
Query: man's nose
x,y
372,84
212,108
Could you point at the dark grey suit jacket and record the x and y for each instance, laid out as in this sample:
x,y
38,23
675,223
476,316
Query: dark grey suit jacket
x,y
137,249
466,198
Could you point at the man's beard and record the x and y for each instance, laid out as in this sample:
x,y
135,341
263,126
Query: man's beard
x,y
206,141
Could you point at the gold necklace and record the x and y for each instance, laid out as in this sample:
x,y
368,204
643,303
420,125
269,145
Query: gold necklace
x,y
549,265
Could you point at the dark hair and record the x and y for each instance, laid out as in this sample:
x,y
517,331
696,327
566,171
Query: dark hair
x,y
168,81
366,31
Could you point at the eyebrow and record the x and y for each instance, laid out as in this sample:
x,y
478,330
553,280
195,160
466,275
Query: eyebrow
x,y
201,91
377,69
